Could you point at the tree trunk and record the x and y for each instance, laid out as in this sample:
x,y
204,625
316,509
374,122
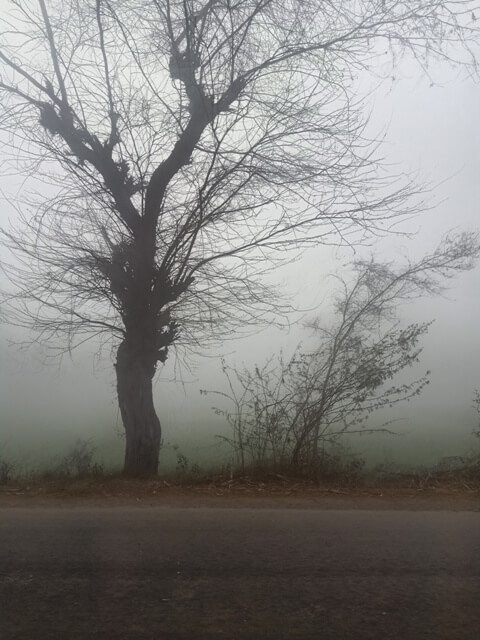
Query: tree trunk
x,y
135,398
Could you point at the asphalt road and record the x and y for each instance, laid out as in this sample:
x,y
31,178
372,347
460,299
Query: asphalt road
x,y
162,572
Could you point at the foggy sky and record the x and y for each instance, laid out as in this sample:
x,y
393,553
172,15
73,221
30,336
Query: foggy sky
x,y
431,132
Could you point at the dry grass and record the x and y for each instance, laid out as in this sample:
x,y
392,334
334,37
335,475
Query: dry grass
x,y
255,482
78,474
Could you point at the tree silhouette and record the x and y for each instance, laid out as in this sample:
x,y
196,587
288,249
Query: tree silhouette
x,y
183,148
286,411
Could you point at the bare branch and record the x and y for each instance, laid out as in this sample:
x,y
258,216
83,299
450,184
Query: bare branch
x,y
177,151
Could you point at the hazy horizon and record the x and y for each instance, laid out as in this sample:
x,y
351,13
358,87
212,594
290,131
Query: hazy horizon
x,y
432,131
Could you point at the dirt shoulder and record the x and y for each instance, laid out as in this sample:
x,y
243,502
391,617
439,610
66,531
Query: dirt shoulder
x,y
121,492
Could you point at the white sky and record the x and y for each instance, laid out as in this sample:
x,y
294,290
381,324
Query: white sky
x,y
430,131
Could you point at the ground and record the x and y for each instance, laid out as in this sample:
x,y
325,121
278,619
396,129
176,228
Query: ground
x,y
410,492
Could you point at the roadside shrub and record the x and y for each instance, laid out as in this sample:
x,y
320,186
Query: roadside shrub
x,y
476,406
80,461
6,471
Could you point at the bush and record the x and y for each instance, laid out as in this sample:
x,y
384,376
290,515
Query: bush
x,y
80,461
6,471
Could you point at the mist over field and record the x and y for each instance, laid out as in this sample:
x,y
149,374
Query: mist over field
x,y
46,408
431,132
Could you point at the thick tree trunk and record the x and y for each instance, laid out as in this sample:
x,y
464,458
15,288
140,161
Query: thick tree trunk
x,y
141,424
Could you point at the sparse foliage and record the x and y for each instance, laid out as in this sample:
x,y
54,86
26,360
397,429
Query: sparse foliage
x,y
177,149
287,412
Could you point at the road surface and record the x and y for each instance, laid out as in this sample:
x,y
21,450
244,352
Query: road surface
x,y
134,572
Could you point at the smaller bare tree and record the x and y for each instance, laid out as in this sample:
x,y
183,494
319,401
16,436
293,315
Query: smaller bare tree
x,y
287,411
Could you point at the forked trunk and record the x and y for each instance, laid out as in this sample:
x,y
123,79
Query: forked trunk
x,y
141,424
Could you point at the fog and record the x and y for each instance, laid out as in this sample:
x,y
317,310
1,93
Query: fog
x,y
431,132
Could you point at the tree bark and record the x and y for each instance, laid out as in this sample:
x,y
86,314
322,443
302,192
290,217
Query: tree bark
x,y
140,421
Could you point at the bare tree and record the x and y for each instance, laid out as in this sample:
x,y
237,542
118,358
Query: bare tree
x,y
182,146
286,411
